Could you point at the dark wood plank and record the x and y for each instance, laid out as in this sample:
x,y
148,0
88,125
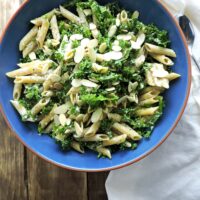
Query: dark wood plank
x,y
96,186
48,182
12,176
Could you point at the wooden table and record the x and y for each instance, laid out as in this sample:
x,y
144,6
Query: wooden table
x,y
24,176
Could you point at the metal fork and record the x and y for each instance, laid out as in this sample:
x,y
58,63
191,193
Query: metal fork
x,y
189,33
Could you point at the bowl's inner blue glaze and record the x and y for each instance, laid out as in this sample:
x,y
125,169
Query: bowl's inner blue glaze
x,y
150,12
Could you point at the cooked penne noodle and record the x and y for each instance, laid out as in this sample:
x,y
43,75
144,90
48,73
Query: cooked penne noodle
x,y
125,129
115,117
82,17
30,64
95,138
29,48
42,65
17,91
172,76
38,21
104,151
76,146
154,90
54,28
123,16
47,93
49,128
159,50
21,109
146,111
115,140
162,59
149,94
149,101
79,130
25,71
92,130
28,38
42,33
39,106
29,79
69,15
47,119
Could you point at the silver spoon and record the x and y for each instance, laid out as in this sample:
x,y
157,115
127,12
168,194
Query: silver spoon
x,y
189,33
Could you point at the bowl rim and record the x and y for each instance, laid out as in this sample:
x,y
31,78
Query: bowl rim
x,y
143,155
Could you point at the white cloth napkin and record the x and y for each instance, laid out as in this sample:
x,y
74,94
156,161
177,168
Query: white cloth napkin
x,y
172,172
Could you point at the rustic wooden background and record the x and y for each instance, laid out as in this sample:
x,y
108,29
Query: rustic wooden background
x,y
24,176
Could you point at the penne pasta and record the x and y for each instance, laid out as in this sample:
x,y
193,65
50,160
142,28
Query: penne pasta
x,y
123,16
47,119
95,138
104,151
116,140
25,71
115,117
42,33
28,38
159,50
82,17
29,79
54,28
149,94
92,130
17,91
20,109
76,146
39,106
149,101
38,21
172,76
146,111
162,59
125,129
32,63
69,15
29,48
47,93
49,128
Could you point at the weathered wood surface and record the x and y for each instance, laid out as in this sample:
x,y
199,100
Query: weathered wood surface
x,y
24,176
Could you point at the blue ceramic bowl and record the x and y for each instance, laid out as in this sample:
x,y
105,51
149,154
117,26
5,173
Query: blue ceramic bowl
x,y
151,11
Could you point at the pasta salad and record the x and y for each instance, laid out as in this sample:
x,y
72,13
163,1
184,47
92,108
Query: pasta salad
x,y
94,78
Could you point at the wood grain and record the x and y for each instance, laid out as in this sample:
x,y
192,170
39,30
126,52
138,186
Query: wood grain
x,y
96,186
24,176
46,181
12,183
